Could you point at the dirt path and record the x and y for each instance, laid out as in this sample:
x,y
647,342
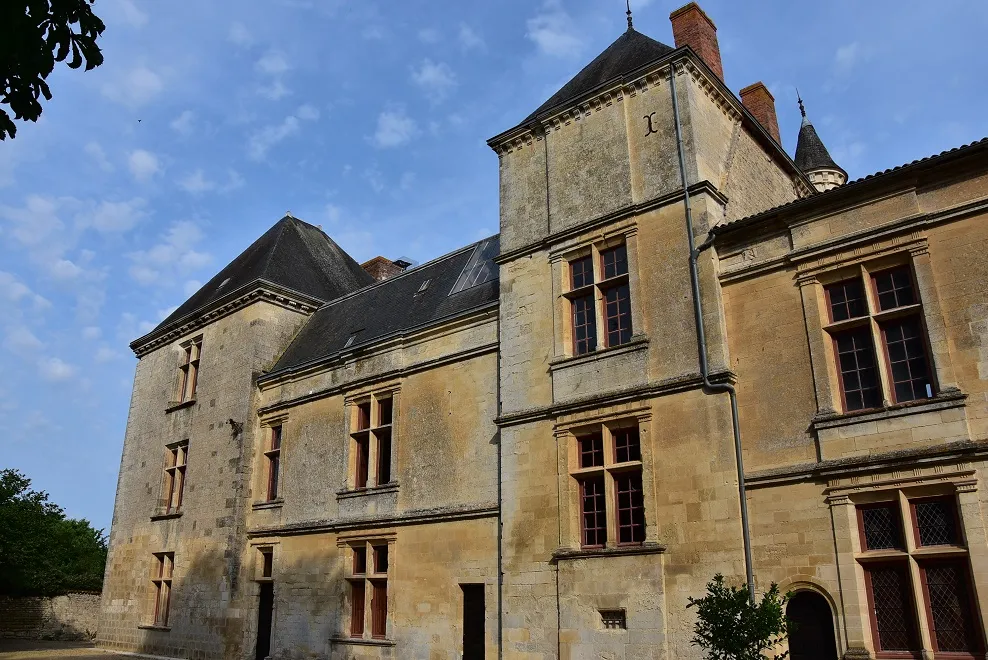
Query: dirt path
x,y
24,649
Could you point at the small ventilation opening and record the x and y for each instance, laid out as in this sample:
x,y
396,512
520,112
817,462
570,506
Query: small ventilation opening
x,y
613,619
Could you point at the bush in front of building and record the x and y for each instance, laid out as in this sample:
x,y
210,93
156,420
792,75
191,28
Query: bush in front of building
x,y
729,626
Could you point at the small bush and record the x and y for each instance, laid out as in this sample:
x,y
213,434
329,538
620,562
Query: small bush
x,y
729,627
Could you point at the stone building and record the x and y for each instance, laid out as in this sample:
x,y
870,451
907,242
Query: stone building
x,y
529,448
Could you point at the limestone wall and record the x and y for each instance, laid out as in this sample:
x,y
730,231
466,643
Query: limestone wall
x,y
70,617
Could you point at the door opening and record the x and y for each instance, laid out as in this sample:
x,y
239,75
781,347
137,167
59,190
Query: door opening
x,y
474,616
812,635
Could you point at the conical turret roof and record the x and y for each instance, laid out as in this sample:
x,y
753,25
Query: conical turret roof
x,y
811,154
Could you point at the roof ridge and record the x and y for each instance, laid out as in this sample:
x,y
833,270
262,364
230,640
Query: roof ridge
x,y
277,242
412,270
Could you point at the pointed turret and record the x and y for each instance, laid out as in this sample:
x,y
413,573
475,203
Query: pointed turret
x,y
814,159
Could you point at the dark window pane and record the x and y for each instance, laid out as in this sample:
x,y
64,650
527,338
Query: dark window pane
x,y
615,261
947,589
617,315
882,528
380,559
627,445
847,300
858,377
379,609
895,288
584,325
357,608
363,416
274,467
907,359
592,511
361,445
386,410
892,600
275,437
937,521
383,456
359,560
581,271
630,507
591,450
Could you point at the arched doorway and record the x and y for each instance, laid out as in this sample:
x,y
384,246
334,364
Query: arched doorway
x,y
812,623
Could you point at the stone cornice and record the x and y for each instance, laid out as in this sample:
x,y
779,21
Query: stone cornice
x,y
257,291
415,517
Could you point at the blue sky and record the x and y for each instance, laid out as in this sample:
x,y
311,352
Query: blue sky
x,y
209,120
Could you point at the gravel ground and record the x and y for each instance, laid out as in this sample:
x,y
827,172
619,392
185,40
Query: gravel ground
x,y
23,649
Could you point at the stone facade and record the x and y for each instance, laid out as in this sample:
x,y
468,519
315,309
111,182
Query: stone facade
x,y
72,616
487,410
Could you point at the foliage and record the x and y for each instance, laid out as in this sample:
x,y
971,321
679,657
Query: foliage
x,y
43,553
34,34
729,627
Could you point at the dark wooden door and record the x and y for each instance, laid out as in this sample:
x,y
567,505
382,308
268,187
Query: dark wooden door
x,y
473,621
265,610
812,628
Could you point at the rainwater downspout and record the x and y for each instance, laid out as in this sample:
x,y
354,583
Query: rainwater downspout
x,y
500,573
710,387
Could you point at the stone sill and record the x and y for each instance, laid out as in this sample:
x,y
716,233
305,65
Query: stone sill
x,y
646,548
637,343
271,504
345,494
178,405
943,401
361,641
154,627
167,516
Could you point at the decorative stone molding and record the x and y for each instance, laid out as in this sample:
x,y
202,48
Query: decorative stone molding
x,y
841,490
257,291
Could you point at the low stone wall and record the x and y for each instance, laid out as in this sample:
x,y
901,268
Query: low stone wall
x,y
72,616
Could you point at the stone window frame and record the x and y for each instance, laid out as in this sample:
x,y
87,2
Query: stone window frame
x,y
262,480
369,579
161,574
189,370
846,494
830,267
172,470
374,434
566,434
559,262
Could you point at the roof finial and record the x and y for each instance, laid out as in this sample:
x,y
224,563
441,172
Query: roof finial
x,y
630,26
802,110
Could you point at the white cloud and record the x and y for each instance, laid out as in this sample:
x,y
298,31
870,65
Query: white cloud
x,y
308,112
131,14
63,269
468,38
36,222
394,128
434,78
272,63
55,370
143,164
239,34
173,256
554,32
106,354
136,88
114,217
13,290
184,124
21,340
847,56
95,151
91,333
274,90
263,140
196,182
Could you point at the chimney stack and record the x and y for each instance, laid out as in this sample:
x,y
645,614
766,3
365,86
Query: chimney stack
x,y
382,268
760,103
692,27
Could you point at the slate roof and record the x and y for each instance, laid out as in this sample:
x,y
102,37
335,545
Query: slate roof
x,y
741,223
399,304
631,51
810,152
293,254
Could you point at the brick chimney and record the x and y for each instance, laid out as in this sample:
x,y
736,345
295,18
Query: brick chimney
x,y
761,104
692,27
381,268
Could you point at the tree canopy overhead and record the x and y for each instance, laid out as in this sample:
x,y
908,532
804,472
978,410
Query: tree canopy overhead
x,y
34,35
43,553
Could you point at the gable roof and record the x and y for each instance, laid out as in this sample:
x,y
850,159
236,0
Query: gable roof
x,y
292,254
630,51
443,288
